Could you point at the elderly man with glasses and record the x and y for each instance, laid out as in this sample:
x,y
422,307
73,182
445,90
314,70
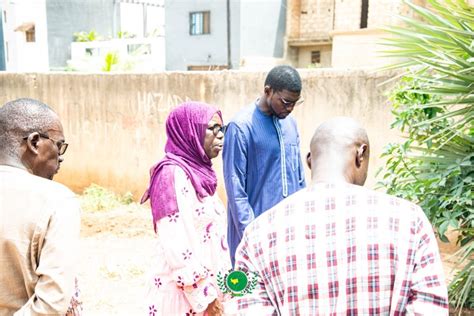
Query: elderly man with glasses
x,y
262,161
39,230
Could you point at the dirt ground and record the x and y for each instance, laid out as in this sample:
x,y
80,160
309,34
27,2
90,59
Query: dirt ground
x,y
115,260
115,248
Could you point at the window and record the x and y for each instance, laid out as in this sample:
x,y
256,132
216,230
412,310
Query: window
x,y
364,14
199,23
139,49
30,35
29,29
93,51
316,57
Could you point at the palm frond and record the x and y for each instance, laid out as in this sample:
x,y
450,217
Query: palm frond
x,y
435,107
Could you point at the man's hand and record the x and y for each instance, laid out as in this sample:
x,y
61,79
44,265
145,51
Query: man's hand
x,y
214,308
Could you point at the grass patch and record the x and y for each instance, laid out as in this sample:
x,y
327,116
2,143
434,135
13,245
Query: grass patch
x,y
97,198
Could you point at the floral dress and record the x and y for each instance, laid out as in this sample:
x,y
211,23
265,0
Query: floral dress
x,y
191,250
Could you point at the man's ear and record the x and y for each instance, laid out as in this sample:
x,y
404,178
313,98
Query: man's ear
x,y
267,90
361,154
32,142
308,160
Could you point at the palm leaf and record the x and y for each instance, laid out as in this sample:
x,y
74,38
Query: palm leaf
x,y
435,166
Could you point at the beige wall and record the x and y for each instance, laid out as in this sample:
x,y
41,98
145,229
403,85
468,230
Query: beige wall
x,y
360,48
381,12
384,12
309,18
115,123
316,17
348,15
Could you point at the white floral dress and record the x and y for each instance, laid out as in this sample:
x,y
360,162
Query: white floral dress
x,y
191,250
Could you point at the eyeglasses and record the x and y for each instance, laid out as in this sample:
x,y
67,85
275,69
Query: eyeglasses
x,y
217,128
62,147
288,104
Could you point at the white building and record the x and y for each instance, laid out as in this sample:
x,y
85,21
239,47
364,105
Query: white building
x,y
25,38
36,35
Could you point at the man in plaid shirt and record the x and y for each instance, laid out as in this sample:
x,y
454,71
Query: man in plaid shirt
x,y
337,248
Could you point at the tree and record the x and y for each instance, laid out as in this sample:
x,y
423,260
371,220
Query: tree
x,y
434,106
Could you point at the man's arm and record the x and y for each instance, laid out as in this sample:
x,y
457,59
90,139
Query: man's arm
x,y
258,302
429,295
57,263
235,176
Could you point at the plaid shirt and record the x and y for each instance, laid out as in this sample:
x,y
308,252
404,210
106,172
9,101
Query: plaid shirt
x,y
342,250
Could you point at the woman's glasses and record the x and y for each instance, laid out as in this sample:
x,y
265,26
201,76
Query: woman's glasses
x,y
217,128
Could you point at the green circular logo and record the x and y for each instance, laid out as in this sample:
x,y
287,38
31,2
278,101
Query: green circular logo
x,y
236,281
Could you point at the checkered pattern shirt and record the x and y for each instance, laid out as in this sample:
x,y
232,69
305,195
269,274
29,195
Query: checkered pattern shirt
x,y
341,249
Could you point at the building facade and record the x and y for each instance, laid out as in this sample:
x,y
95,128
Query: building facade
x,y
37,34
340,33
68,17
309,24
25,45
197,34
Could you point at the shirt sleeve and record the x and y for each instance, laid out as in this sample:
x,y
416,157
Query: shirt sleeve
x,y
57,263
302,181
235,176
429,295
259,301
182,248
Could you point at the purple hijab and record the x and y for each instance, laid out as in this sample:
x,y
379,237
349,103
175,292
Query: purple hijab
x,y
185,128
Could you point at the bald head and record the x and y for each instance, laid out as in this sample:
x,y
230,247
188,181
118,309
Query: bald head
x,y
340,150
20,117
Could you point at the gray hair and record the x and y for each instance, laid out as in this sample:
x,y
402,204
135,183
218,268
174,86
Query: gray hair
x,y
20,117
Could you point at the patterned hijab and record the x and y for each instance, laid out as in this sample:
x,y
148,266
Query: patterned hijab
x,y
185,128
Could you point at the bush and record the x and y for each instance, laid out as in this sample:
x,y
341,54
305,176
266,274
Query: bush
x,y
434,106
97,198
86,36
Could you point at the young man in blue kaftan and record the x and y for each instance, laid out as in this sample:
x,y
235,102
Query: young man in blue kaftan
x,y
262,160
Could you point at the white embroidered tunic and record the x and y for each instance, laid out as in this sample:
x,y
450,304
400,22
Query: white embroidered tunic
x,y
191,250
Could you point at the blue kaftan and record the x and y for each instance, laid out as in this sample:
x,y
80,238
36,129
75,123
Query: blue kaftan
x,y
262,166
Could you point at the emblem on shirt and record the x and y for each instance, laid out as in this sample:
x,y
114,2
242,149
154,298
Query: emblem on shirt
x,y
236,283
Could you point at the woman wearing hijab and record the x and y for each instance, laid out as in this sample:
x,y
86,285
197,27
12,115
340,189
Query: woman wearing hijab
x,y
188,217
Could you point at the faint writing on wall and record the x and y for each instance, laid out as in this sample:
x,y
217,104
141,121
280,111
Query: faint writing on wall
x,y
159,105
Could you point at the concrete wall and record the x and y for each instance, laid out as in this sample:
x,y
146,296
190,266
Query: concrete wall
x,y
317,16
129,60
348,14
64,18
384,12
115,123
360,48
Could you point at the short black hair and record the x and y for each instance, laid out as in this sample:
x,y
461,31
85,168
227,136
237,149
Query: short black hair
x,y
284,77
